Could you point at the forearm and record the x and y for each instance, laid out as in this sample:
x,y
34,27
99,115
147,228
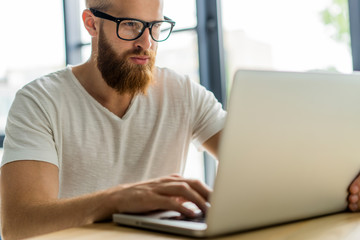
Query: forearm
x,y
212,145
30,206
30,218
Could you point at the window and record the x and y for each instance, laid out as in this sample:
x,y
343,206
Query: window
x,y
180,53
286,35
31,45
298,35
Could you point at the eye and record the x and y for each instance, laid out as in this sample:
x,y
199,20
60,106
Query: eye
x,y
131,24
157,25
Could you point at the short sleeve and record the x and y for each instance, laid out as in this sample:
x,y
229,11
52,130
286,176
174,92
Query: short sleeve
x,y
28,133
208,114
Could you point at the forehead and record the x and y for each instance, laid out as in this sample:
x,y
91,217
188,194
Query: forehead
x,y
147,10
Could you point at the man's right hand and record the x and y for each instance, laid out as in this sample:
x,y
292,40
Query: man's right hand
x,y
166,193
29,194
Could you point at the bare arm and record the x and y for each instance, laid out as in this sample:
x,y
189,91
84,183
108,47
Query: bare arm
x,y
212,144
30,204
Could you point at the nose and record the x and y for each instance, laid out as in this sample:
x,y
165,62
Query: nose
x,y
145,41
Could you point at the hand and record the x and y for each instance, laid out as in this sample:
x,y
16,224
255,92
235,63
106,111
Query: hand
x,y
166,193
354,195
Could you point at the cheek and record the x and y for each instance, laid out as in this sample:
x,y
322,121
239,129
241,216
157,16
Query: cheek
x,y
120,46
154,46
109,30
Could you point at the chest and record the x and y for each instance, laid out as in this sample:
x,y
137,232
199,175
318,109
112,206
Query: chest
x,y
91,134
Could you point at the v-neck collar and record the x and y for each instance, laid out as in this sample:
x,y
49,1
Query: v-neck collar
x,y
85,93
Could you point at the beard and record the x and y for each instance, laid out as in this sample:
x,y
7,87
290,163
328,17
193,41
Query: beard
x,y
121,74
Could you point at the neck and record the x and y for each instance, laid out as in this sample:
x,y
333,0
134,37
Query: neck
x,y
90,78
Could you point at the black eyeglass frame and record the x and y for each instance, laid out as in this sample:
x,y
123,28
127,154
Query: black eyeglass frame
x,y
149,25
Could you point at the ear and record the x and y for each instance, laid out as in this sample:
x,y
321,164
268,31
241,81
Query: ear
x,y
90,23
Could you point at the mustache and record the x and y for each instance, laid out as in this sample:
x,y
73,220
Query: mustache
x,y
139,52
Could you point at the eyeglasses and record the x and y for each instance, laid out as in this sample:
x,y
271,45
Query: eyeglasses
x,y
130,29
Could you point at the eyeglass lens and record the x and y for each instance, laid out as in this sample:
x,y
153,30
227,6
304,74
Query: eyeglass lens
x,y
131,29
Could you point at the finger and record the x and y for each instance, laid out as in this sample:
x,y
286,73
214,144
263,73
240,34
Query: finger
x,y
353,198
184,190
174,203
355,186
171,178
199,187
353,207
175,175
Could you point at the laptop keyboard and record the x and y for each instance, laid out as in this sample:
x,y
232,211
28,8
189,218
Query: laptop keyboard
x,y
200,219
199,216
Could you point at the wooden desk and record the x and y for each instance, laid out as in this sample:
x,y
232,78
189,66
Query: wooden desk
x,y
340,226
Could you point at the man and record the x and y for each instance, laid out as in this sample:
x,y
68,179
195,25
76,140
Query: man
x,y
85,142
106,136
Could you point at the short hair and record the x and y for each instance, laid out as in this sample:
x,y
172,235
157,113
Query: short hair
x,y
98,4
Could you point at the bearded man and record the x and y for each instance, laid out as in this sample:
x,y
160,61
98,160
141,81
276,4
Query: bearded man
x,y
109,135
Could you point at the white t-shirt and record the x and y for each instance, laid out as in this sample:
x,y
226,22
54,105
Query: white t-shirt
x,y
54,119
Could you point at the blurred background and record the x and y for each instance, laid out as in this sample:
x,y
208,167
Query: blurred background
x,y
212,39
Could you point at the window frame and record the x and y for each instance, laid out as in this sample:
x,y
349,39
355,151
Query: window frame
x,y
354,21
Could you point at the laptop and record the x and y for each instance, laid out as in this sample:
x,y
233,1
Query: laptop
x,y
289,151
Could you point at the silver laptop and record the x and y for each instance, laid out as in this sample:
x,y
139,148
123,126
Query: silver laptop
x,y
289,151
